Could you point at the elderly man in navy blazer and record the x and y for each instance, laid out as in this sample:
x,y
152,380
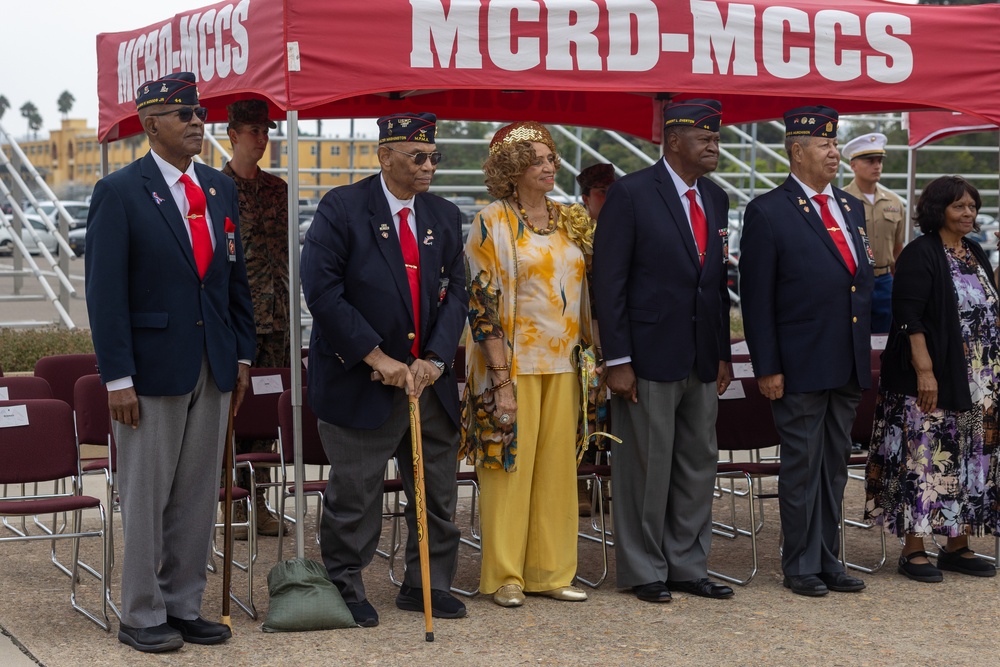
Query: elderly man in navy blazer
x,y
806,280
384,277
662,302
172,320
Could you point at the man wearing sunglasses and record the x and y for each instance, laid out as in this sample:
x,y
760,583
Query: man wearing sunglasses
x,y
172,324
384,278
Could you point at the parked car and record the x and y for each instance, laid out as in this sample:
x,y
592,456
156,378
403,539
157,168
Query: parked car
x,y
987,226
78,210
46,237
77,239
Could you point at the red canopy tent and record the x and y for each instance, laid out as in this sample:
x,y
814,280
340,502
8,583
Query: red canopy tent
x,y
584,62
929,126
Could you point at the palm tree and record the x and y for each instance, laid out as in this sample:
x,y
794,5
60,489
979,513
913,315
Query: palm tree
x,y
65,102
4,105
28,110
35,123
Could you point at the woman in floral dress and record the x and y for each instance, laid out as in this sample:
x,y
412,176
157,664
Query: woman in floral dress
x,y
932,468
528,308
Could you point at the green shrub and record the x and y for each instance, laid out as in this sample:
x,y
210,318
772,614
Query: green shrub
x,y
736,323
21,348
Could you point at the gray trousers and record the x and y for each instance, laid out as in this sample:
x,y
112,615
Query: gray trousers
x,y
662,477
815,430
168,476
352,513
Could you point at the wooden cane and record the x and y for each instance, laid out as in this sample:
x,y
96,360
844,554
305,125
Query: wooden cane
x,y
418,490
227,519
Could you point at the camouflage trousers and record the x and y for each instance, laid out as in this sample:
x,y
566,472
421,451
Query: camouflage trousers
x,y
272,352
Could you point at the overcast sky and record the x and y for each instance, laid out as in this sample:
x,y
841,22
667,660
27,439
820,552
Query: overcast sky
x,y
49,46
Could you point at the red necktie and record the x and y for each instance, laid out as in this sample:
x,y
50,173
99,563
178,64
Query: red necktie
x,y
201,241
411,259
836,232
698,225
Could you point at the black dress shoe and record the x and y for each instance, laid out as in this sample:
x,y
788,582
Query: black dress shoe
x,y
364,613
200,631
806,584
924,572
953,561
443,603
841,582
156,639
703,588
656,591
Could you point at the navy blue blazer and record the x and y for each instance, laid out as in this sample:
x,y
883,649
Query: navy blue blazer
x,y
151,316
804,314
357,291
655,301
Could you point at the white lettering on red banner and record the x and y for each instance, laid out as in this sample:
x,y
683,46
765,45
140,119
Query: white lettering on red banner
x,y
726,38
214,43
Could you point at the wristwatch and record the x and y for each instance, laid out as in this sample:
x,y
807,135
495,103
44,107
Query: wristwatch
x,y
441,366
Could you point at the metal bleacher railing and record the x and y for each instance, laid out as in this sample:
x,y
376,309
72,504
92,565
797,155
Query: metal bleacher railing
x,y
738,175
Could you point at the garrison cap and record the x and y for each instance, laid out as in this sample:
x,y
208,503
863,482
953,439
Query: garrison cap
x,y
249,112
817,121
867,145
176,88
415,127
700,113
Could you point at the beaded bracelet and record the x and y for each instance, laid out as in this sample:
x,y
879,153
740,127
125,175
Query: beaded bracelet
x,y
505,367
502,384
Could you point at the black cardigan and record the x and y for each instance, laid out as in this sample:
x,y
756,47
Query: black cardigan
x,y
924,301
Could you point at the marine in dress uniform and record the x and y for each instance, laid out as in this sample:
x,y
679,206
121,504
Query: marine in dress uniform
x,y
806,282
885,218
663,307
384,278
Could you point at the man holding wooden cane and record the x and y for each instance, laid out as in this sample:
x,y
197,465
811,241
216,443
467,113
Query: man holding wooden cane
x,y
384,279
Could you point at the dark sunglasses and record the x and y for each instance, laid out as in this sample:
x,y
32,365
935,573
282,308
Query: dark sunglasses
x,y
420,158
185,114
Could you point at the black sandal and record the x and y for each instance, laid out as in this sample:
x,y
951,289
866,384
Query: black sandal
x,y
976,567
924,572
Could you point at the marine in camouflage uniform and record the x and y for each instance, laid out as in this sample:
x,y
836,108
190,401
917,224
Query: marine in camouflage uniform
x,y
263,202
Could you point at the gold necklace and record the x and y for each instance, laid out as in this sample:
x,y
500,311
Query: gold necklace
x,y
549,207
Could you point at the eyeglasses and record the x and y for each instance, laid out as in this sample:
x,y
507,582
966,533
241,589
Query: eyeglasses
x,y
420,158
184,114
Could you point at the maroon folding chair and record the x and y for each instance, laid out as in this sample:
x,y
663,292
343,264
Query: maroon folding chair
x,y
258,420
62,371
43,449
19,387
312,455
744,427
93,427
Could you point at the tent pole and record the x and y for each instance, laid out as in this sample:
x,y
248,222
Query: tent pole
x,y
911,188
295,322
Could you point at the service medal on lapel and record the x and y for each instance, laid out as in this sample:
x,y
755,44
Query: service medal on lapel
x,y
230,239
429,239
385,230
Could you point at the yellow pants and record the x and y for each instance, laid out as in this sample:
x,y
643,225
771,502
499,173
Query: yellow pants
x,y
530,516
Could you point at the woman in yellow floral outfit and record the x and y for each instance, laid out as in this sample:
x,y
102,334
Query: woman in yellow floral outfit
x,y
528,308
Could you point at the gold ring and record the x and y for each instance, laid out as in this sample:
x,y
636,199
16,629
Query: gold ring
x,y
427,376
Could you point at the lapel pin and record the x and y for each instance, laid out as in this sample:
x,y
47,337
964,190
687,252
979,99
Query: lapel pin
x,y
385,235
211,191
383,228
802,202
428,240
157,198
805,208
